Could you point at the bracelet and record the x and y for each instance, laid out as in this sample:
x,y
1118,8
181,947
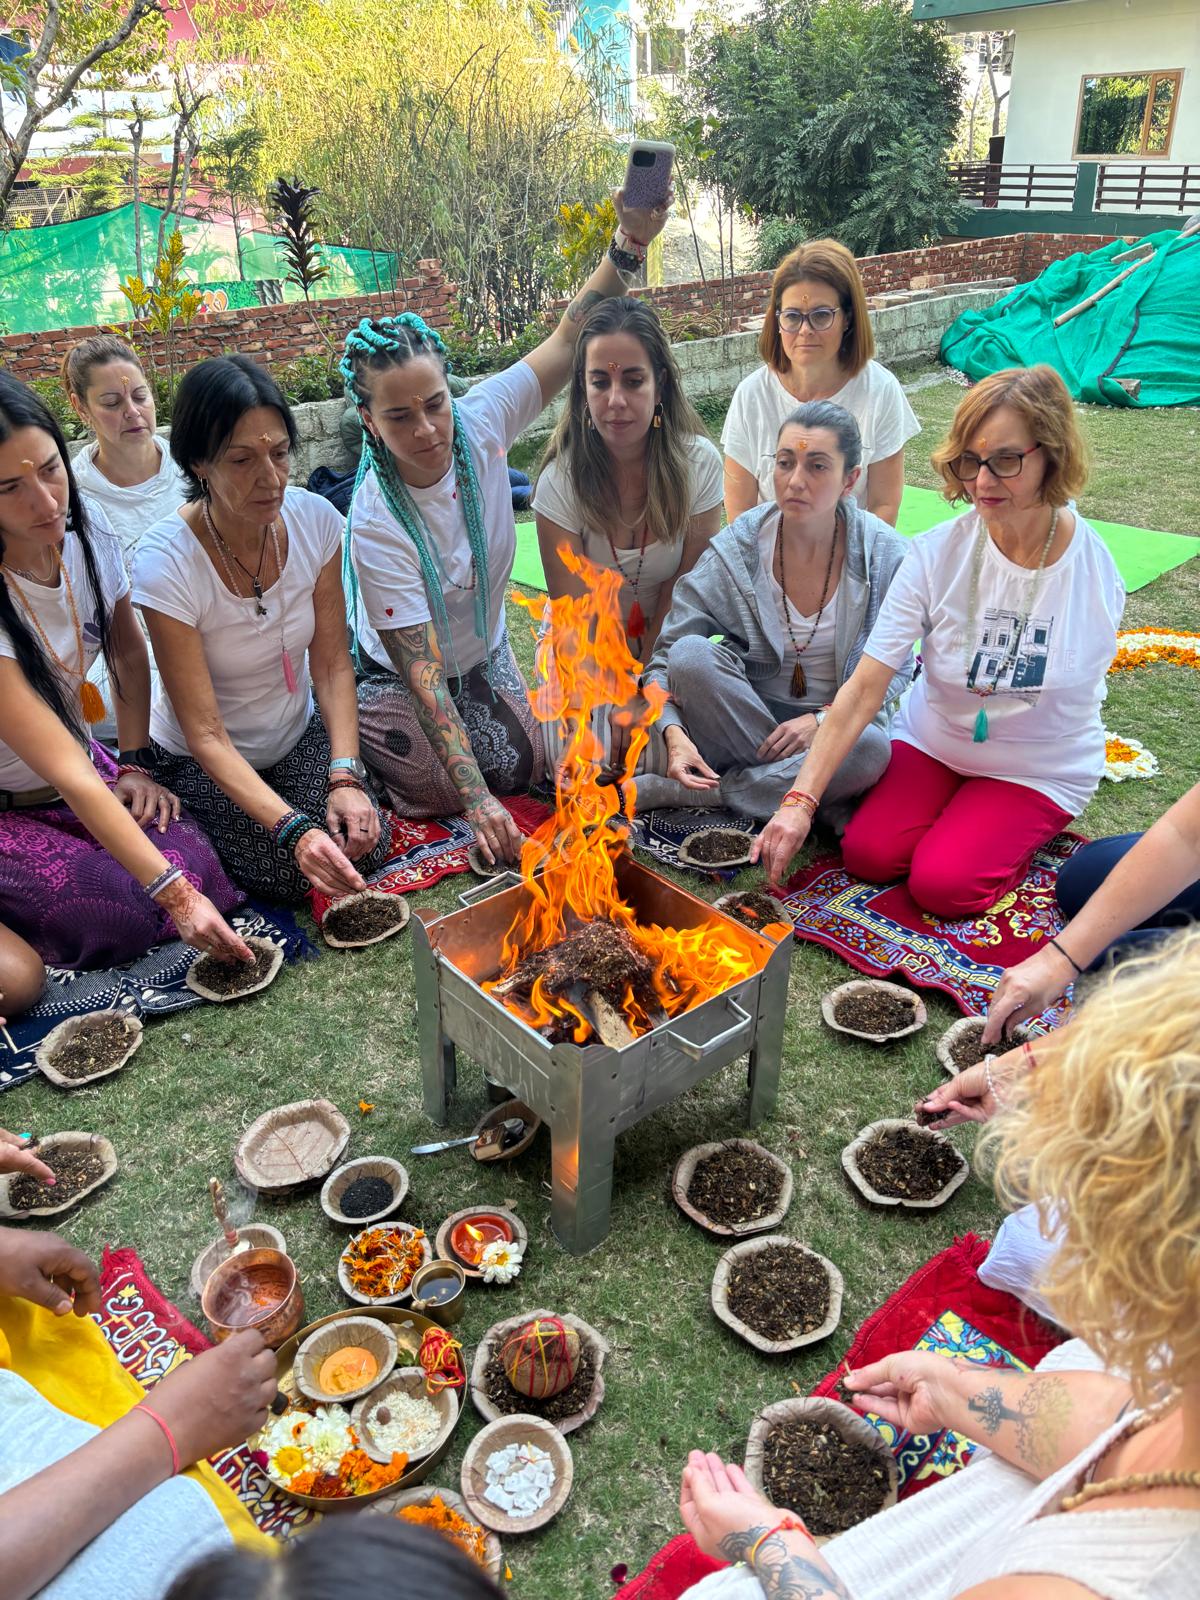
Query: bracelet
x,y
281,823
987,1072
624,235
142,1406
294,829
131,766
627,265
800,797
788,1525
1067,954
344,783
156,885
1027,1052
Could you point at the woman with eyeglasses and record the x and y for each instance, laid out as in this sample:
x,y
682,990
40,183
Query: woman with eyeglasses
x,y
816,344
1015,603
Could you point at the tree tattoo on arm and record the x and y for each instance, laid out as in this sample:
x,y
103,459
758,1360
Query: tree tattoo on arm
x,y
414,653
1039,1420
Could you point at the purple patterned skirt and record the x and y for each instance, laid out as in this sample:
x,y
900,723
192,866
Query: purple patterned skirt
x,y
75,904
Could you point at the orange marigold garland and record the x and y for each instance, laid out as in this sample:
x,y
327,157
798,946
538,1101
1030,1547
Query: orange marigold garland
x,y
451,1524
1146,647
380,1262
439,1356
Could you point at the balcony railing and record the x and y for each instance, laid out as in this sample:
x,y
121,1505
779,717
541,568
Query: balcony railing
x,y
1150,188
1014,188
1118,186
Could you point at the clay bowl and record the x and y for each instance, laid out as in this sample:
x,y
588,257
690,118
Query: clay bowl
x,y
508,1107
446,1250
966,1025
515,1430
685,1168
410,1381
371,1335
256,942
773,1347
727,904
493,1555
290,1147
61,1141
499,1332
70,1029
687,859
396,900
874,985
850,1164
832,1414
381,1300
258,1235
340,1179
254,1289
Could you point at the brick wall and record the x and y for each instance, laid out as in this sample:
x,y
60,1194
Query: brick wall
x,y
271,334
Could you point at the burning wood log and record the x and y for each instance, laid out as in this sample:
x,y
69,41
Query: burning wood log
x,y
592,970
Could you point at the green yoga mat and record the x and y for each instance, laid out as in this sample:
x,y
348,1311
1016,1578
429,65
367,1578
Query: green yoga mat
x,y
1141,554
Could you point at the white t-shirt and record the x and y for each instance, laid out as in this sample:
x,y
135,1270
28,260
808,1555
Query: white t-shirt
x,y
134,509
53,611
555,498
820,667
391,586
173,574
761,404
1044,725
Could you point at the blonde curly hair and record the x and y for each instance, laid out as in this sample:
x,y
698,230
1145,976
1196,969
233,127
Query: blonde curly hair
x,y
1106,1140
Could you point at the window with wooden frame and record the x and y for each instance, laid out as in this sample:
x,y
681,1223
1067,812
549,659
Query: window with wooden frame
x,y
1127,113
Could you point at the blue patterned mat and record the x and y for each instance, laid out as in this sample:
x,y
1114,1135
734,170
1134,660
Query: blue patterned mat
x,y
152,986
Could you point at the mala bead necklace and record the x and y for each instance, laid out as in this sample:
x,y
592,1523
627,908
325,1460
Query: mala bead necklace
x,y
636,625
799,680
270,533
1135,1482
91,701
970,646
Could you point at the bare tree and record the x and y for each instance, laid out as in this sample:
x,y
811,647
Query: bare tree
x,y
58,29
184,146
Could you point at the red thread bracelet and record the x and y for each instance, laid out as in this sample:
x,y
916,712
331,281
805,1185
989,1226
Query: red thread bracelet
x,y
788,1525
170,1437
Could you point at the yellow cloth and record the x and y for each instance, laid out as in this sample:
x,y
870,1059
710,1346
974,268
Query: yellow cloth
x,y
68,1361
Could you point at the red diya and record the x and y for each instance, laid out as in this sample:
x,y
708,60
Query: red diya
x,y
470,1237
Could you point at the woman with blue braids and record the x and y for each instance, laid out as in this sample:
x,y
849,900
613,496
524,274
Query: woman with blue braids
x,y
444,714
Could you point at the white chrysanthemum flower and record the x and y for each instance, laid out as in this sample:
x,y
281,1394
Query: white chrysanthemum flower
x,y
327,1437
501,1261
1126,758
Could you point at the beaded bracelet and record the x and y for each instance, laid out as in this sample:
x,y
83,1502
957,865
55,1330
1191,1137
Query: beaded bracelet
x,y
343,783
156,885
281,823
627,264
296,828
788,1525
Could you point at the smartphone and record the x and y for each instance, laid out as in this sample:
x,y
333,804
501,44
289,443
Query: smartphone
x,y
648,174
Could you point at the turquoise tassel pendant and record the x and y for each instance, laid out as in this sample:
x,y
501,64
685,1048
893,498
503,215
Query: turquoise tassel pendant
x,y
981,727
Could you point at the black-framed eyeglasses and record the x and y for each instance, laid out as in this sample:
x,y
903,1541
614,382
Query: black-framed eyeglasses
x,y
820,319
1004,464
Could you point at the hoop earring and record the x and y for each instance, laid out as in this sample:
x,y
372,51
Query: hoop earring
x,y
658,416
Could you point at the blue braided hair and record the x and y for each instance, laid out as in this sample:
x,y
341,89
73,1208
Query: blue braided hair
x,y
373,346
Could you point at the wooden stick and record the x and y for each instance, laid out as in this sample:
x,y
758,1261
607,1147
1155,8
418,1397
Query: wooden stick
x,y
1100,293
1135,250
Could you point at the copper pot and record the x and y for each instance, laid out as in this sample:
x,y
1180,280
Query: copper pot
x,y
254,1289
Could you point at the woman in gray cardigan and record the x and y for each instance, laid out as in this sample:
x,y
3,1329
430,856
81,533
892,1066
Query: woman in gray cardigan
x,y
767,627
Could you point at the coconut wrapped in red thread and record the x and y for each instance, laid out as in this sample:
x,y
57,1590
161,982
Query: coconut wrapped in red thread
x,y
541,1358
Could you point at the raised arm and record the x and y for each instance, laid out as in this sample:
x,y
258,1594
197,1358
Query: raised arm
x,y
741,489
885,486
552,359
349,815
1164,862
415,654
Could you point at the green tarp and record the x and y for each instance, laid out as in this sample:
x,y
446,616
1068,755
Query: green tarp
x,y
1148,327
69,275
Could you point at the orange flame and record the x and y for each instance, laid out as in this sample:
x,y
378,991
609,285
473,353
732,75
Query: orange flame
x,y
584,663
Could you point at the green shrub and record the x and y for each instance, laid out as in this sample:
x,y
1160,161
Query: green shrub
x,y
50,391
776,237
308,378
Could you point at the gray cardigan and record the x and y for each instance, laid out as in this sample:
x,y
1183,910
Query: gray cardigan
x,y
728,593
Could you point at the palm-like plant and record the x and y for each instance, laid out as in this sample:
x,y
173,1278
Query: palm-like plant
x,y
293,204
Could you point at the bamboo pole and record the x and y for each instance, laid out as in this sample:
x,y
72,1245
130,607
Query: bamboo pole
x,y
1092,299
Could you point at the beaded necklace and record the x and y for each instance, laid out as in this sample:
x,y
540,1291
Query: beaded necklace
x,y
1133,1482
91,701
272,533
636,625
986,690
799,679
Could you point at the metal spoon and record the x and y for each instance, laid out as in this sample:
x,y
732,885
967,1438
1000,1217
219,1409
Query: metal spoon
x,y
510,1130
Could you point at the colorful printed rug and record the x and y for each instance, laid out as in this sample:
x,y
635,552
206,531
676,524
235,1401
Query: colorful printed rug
x,y
150,1337
881,930
660,834
152,986
424,850
945,1307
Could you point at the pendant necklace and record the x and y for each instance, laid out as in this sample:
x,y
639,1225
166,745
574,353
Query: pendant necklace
x,y
91,701
272,533
635,627
970,649
799,681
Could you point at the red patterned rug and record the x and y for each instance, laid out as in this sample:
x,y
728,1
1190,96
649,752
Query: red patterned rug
x,y
881,930
424,850
150,1337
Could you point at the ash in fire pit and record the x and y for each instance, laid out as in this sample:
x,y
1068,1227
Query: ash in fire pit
x,y
592,970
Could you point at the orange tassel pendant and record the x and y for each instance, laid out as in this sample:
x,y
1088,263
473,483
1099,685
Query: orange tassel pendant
x,y
799,682
92,702
636,626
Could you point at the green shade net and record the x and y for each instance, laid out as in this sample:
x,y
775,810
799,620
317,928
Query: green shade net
x,y
1148,327
69,275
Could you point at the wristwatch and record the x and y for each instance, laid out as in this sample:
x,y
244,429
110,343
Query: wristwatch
x,y
136,758
350,764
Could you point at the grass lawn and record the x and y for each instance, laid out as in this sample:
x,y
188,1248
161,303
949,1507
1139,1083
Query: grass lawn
x,y
345,1027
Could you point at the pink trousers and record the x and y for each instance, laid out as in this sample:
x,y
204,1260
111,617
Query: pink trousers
x,y
961,842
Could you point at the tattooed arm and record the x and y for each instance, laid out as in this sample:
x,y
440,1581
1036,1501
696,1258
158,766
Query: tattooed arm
x,y
1035,1421
417,658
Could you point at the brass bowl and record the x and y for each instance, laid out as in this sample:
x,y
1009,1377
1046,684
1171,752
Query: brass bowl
x,y
254,1289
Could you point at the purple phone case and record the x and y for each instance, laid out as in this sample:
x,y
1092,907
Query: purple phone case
x,y
647,187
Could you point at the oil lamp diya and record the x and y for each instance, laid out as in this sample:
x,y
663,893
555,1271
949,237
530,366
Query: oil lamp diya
x,y
471,1237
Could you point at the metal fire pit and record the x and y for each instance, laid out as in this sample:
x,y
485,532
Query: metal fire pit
x,y
588,1094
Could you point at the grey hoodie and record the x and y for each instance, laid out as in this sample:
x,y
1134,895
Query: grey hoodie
x,y
728,593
